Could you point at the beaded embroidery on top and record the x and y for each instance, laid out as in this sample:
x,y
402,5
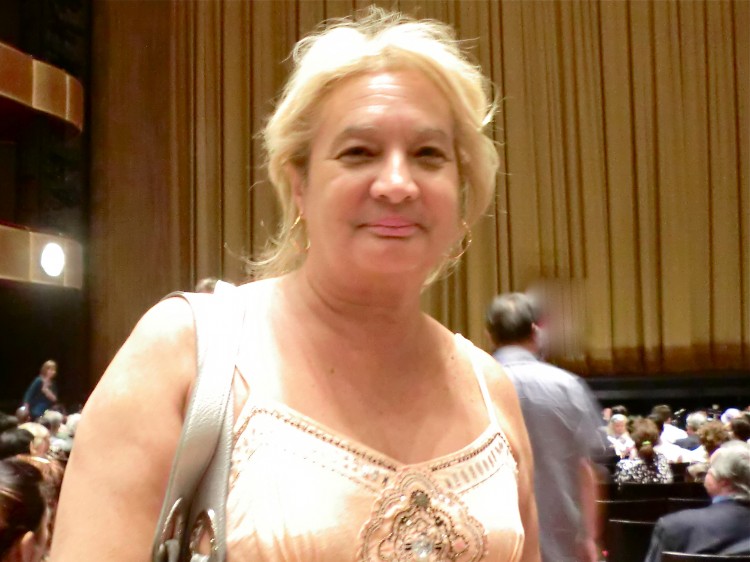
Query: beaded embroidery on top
x,y
416,520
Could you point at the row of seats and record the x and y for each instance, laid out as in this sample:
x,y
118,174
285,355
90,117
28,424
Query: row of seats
x,y
631,539
631,511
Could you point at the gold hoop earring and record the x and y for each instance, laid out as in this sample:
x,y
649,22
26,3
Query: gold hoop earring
x,y
465,241
293,235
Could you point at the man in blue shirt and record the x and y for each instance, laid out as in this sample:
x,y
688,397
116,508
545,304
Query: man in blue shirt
x,y
563,420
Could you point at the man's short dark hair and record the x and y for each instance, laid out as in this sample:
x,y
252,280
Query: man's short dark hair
x,y
663,411
511,317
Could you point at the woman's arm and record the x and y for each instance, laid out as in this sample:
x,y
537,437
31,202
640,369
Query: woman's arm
x,y
29,396
511,419
127,436
47,391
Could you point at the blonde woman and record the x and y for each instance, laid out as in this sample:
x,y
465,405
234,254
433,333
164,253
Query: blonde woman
x,y
42,392
363,428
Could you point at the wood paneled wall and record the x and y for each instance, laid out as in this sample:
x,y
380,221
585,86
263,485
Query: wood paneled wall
x,y
623,130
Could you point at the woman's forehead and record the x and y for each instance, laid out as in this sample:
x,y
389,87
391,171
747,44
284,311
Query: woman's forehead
x,y
356,105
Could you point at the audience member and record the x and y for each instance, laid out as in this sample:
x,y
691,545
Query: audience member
x,y
740,428
40,444
671,432
562,418
22,414
618,436
15,441
42,392
724,526
693,423
712,435
649,466
728,415
7,422
620,409
671,452
23,512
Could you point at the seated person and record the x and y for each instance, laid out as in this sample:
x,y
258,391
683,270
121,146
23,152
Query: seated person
x,y
693,423
672,452
724,526
23,512
740,428
40,445
648,466
617,435
14,442
712,435
671,433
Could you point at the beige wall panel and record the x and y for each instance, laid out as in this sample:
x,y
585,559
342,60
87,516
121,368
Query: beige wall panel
x,y
541,95
742,57
273,34
309,15
625,155
695,180
133,255
480,266
617,89
520,149
642,70
595,220
209,130
674,237
236,139
502,227
338,8
725,215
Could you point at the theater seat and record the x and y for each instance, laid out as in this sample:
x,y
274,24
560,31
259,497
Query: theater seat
x,y
628,541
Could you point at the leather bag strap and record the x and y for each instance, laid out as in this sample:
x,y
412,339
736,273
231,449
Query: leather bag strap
x,y
195,498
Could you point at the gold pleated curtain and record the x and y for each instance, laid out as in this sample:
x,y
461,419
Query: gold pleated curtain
x,y
624,186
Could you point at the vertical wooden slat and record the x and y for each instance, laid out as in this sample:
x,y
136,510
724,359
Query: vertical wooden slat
x,y
595,219
619,159
521,146
673,234
642,72
274,29
236,139
695,179
208,135
742,95
502,231
479,264
725,218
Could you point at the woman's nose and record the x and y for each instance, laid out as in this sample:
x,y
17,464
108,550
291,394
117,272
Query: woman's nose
x,y
394,182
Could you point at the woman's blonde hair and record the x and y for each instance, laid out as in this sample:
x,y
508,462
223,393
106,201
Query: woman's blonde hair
x,y
344,48
47,365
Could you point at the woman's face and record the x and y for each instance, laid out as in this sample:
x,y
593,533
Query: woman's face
x,y
381,189
618,427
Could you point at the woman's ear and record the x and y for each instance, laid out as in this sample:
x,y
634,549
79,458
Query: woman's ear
x,y
297,183
26,549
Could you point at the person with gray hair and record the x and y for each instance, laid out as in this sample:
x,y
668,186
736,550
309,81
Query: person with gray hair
x,y
693,423
724,526
564,425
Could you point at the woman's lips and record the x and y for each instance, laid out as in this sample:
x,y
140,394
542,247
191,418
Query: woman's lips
x,y
393,227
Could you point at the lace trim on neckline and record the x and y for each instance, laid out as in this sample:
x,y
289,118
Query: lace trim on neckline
x,y
459,471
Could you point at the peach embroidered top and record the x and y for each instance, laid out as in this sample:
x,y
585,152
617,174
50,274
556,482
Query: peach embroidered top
x,y
300,493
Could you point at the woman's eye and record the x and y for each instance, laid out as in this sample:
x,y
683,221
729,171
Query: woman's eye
x,y
431,154
355,153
